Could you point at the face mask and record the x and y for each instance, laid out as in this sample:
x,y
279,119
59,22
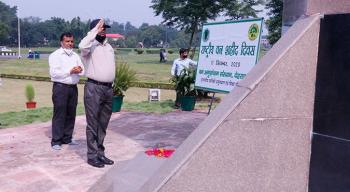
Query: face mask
x,y
100,38
68,51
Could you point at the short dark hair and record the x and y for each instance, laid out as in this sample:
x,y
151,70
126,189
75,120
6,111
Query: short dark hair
x,y
182,50
65,34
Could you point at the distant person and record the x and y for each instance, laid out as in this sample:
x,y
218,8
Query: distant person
x,y
65,71
140,45
30,54
165,55
178,65
161,55
98,58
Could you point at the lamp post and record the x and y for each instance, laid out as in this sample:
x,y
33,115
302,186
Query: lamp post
x,y
166,37
19,34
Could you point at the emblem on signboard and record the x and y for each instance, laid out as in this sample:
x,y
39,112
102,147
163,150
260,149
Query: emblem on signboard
x,y
206,35
253,32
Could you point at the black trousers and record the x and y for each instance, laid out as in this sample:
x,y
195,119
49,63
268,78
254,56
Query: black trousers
x,y
65,100
98,109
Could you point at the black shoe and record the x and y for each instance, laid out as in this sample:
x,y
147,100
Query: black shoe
x,y
105,160
95,163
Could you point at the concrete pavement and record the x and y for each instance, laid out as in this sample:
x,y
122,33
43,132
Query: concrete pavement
x,y
27,162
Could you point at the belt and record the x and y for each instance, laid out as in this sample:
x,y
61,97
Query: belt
x,y
99,83
68,85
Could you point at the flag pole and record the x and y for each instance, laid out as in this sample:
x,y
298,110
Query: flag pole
x,y
19,34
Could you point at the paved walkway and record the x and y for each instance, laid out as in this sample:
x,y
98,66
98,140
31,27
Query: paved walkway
x,y
27,162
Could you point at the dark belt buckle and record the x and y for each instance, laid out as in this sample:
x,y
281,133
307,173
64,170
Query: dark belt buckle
x,y
100,83
68,85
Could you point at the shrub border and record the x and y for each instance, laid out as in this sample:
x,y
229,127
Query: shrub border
x,y
140,84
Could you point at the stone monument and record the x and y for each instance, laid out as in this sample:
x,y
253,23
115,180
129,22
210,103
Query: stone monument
x,y
283,128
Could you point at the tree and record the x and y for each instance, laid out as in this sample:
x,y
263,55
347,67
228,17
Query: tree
x,y
31,32
180,19
78,29
187,15
8,24
274,23
4,32
151,36
181,40
130,29
54,27
130,41
241,9
117,28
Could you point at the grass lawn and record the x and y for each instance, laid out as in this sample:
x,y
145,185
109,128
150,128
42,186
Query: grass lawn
x,y
12,97
147,66
13,119
13,111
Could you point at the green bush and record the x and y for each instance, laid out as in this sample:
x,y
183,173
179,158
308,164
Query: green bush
x,y
184,83
124,76
152,51
139,51
152,85
123,50
170,51
30,93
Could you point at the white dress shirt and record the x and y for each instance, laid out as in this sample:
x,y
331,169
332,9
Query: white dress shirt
x,y
179,64
98,58
61,63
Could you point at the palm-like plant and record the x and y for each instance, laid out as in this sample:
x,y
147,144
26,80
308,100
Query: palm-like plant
x,y
124,76
184,83
29,92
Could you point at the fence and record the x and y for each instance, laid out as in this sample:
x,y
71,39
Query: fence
x,y
7,53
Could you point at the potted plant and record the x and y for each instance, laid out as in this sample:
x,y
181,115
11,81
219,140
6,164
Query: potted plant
x,y
184,86
30,95
124,76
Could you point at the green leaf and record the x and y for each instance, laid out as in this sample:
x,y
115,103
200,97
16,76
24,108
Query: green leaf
x,y
124,76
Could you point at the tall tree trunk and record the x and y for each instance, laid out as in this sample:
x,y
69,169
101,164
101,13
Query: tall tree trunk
x,y
194,31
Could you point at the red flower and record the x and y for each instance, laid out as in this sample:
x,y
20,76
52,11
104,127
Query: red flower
x,y
160,152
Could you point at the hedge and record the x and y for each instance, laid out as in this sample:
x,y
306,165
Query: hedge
x,y
124,50
152,85
82,81
139,51
152,51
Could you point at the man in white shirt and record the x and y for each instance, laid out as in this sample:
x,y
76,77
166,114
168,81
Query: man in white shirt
x,y
98,58
65,71
178,65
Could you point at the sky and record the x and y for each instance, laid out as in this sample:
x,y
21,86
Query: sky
x,y
122,11
135,11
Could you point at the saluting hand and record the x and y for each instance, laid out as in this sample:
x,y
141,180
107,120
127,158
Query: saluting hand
x,y
100,25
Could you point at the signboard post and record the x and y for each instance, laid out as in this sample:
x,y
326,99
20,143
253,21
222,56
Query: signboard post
x,y
228,51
